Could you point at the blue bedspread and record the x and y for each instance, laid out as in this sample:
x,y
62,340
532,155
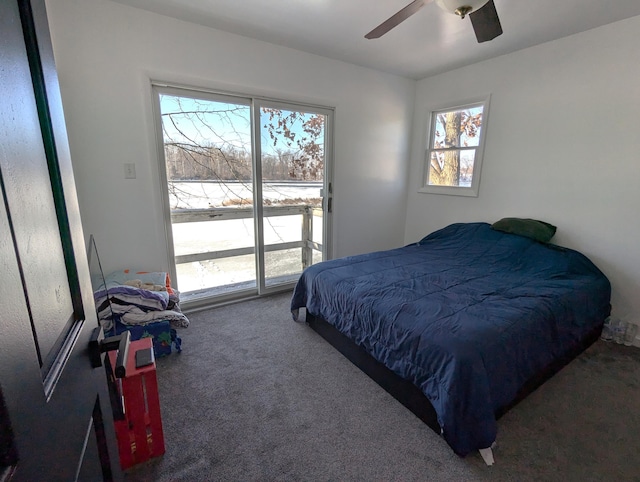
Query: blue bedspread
x,y
468,315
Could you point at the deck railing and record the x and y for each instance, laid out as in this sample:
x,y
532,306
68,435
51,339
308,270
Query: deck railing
x,y
306,241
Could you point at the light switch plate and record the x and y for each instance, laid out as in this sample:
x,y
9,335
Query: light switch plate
x,y
129,170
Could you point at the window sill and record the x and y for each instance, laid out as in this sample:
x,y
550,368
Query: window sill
x,y
450,190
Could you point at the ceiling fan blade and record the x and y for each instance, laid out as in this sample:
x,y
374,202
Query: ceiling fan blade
x,y
486,23
397,19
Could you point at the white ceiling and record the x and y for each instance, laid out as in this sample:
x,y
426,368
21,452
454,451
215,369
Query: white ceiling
x,y
430,42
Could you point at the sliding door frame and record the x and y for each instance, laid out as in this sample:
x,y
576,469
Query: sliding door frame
x,y
259,103
255,102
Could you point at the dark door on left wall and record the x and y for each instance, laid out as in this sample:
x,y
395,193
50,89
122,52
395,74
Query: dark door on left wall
x,y
55,416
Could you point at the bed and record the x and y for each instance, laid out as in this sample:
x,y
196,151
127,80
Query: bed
x,y
461,325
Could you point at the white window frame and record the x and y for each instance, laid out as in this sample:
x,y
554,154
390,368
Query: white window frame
x,y
255,102
479,150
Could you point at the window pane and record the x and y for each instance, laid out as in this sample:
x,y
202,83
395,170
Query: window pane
x,y
283,266
457,128
208,156
451,168
282,229
293,157
467,158
223,274
201,237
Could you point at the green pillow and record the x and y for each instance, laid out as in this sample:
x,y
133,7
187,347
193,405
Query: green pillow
x,y
531,228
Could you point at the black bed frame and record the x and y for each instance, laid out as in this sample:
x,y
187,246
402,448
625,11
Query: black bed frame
x,y
411,396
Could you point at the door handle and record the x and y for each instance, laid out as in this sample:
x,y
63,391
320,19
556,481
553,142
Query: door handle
x,y
98,344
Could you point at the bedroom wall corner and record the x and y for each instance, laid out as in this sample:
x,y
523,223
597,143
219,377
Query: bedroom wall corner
x,y
561,146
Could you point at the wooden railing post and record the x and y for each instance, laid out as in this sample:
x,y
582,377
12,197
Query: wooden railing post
x,y
307,251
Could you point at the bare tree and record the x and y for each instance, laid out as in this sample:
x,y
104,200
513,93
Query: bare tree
x,y
206,140
307,150
445,165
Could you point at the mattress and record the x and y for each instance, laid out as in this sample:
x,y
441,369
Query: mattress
x,y
468,315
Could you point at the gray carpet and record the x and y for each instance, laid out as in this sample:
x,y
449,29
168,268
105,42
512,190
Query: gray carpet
x,y
255,396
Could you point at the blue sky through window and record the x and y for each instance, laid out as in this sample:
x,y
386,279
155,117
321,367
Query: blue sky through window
x,y
203,122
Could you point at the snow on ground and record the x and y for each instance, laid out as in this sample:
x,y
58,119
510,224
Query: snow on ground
x,y
200,237
202,195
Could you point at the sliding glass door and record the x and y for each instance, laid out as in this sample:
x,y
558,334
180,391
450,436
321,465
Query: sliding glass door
x,y
244,183
292,157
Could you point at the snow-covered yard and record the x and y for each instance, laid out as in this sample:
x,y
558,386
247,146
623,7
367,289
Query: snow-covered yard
x,y
223,274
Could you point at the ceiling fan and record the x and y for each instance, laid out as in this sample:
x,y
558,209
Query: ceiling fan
x,y
482,13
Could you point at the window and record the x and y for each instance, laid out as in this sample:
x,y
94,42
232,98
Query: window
x,y
454,152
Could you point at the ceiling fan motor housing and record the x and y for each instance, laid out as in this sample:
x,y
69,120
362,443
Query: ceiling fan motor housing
x,y
461,7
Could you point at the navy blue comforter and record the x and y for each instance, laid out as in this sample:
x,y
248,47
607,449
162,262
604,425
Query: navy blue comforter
x,y
468,315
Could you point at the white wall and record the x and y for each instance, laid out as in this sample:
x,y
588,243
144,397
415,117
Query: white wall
x,y
106,54
562,146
